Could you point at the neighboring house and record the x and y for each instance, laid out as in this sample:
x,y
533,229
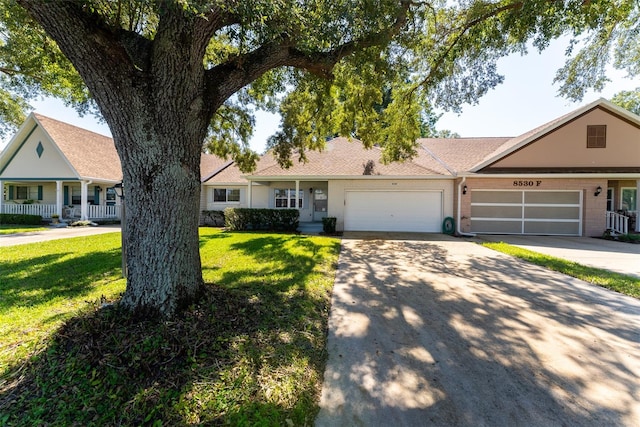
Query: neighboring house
x,y
50,167
578,175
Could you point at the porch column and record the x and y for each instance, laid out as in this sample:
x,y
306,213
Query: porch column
x,y
249,194
1,194
84,190
297,193
59,198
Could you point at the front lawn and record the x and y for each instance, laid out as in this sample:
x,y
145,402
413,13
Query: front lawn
x,y
250,352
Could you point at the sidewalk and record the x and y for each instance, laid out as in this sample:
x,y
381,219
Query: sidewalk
x,y
55,233
609,255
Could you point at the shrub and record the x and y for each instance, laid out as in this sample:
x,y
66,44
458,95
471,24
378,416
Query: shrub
x,y
212,218
242,219
20,219
329,225
629,238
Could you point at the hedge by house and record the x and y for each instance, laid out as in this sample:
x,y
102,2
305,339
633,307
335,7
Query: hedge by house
x,y
20,219
212,218
242,219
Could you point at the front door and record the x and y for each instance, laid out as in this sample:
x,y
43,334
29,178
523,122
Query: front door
x,y
319,204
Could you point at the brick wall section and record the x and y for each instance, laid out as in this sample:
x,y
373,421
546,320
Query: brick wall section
x,y
594,208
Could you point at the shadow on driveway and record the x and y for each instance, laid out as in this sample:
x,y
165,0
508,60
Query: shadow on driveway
x,y
440,331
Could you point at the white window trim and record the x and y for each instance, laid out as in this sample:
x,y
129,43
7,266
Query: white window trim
x,y
226,195
299,199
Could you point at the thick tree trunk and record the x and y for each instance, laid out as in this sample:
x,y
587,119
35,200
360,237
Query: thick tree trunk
x,y
158,131
162,196
155,97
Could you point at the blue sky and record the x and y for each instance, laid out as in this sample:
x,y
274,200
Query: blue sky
x,y
525,100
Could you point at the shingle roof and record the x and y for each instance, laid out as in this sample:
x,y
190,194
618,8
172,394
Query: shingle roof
x,y
342,157
92,155
211,165
461,154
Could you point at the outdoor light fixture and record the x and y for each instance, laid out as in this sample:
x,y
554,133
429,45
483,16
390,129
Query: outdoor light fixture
x,y
464,190
311,191
118,188
98,188
598,191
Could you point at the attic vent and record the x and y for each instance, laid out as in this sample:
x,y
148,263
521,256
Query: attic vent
x,y
596,136
39,149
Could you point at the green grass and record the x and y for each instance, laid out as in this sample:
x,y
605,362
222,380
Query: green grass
x,y
251,351
14,229
622,283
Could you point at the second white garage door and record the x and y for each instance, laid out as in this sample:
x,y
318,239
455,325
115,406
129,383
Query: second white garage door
x,y
413,211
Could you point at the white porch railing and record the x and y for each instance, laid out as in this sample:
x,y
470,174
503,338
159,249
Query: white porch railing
x,y
617,223
104,212
45,211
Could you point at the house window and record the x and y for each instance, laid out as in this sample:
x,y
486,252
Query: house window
x,y
76,196
226,195
111,194
28,193
610,201
628,199
286,198
596,136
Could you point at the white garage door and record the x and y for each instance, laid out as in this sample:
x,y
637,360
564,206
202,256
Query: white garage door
x,y
416,211
526,212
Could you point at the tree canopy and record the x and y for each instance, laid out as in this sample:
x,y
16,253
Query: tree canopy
x,y
433,54
171,75
628,99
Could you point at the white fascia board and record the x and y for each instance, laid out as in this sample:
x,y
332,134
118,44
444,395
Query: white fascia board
x,y
14,144
225,184
611,175
346,177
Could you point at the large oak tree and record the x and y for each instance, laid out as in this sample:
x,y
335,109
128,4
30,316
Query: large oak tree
x,y
169,75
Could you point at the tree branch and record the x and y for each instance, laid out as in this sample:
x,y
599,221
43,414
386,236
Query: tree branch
x,y
84,37
466,27
239,71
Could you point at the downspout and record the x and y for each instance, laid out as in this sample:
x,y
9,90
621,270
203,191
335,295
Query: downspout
x,y
458,231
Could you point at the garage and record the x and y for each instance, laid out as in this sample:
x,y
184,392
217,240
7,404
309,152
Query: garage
x,y
412,211
526,212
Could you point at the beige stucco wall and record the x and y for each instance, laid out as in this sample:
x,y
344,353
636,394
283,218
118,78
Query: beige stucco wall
x,y
338,189
27,164
567,146
594,208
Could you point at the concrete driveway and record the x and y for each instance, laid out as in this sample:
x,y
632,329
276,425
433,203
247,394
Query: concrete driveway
x,y
433,330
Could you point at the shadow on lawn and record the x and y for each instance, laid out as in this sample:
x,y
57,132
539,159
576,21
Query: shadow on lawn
x,y
37,280
249,351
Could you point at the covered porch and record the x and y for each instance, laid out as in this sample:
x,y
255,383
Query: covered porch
x,y
69,200
312,197
622,206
